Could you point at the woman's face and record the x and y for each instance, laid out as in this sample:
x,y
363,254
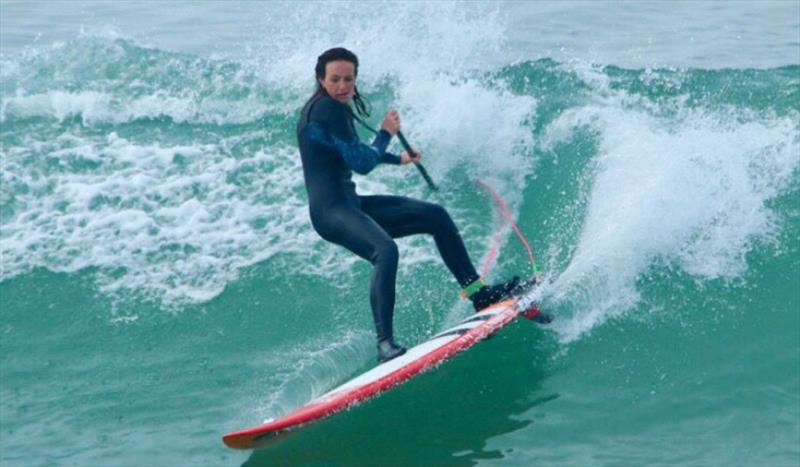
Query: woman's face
x,y
340,80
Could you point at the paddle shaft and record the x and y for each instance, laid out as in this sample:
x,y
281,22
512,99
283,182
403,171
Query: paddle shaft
x,y
419,165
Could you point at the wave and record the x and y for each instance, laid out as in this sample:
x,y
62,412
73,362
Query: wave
x,y
171,174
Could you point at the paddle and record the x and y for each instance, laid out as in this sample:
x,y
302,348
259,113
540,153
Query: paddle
x,y
408,149
419,165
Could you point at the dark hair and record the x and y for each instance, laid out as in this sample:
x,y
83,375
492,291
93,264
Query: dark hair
x,y
331,55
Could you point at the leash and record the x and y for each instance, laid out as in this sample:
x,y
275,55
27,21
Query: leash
x,y
508,218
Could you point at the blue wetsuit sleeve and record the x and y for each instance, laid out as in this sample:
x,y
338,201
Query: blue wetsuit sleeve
x,y
380,143
330,126
389,158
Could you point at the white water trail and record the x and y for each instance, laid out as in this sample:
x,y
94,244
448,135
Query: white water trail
x,y
691,192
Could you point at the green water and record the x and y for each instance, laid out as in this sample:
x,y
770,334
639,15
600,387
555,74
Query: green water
x,y
161,284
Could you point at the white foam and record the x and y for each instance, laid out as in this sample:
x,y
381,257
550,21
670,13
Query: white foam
x,y
173,232
688,191
470,123
411,40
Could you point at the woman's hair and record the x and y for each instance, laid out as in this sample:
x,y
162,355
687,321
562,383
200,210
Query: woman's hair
x,y
331,55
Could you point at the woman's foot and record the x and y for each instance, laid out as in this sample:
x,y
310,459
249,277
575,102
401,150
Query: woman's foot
x,y
388,350
490,294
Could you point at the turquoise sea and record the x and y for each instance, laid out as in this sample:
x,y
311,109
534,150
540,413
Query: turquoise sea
x,y
161,285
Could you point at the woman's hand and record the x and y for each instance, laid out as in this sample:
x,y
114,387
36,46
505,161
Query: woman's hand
x,y
391,122
405,158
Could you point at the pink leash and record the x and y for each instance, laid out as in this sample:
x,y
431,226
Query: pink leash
x,y
507,217
532,311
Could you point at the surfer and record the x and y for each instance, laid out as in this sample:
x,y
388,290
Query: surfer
x,y
366,225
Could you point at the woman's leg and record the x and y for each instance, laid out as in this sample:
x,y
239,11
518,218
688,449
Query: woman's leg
x,y
400,216
360,234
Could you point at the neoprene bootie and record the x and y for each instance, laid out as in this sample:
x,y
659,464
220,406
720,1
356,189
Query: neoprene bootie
x,y
491,294
387,350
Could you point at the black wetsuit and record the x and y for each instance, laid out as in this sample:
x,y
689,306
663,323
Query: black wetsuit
x,y
331,151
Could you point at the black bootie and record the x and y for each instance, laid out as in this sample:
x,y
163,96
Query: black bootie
x,y
388,350
491,294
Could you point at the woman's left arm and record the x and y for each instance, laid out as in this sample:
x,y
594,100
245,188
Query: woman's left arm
x,y
380,143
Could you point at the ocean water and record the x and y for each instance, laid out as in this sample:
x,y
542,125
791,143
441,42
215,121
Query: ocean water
x,y
160,283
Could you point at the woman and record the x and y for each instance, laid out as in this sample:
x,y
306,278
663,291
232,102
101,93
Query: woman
x,y
331,151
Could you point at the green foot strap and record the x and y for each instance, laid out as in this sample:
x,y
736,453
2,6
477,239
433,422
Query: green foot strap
x,y
473,287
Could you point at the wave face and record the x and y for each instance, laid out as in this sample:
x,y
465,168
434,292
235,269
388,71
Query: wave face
x,y
161,283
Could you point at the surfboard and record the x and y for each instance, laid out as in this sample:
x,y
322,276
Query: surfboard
x,y
417,359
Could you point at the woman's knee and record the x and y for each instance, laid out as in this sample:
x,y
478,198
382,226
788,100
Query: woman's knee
x,y
438,218
386,252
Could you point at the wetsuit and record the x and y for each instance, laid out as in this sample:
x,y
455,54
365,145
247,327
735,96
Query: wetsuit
x,y
331,151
